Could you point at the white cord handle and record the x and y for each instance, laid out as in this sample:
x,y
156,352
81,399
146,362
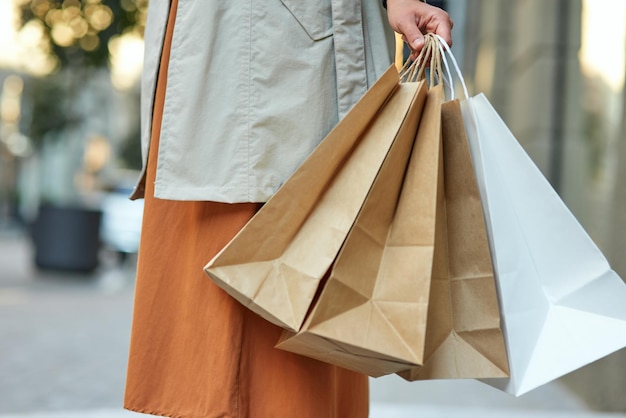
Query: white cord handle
x,y
446,80
444,46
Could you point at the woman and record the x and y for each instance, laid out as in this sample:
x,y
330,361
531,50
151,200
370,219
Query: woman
x,y
235,95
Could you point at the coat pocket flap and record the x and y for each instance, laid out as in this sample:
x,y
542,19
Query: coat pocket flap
x,y
314,16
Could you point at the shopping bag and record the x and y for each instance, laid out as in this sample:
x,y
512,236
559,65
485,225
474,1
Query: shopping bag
x,y
394,301
275,263
463,336
562,304
371,314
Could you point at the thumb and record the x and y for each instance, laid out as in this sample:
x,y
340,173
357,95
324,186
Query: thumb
x,y
415,39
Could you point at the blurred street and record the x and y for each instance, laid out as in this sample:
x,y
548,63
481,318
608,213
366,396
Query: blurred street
x,y
64,337
64,341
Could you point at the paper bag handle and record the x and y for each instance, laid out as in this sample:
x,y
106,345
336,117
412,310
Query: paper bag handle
x,y
413,71
446,53
437,52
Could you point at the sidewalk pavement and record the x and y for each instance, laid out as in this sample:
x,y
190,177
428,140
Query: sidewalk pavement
x,y
378,410
64,342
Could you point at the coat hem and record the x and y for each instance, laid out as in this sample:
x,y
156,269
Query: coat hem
x,y
211,194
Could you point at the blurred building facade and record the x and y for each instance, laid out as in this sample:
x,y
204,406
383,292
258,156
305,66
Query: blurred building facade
x,y
547,68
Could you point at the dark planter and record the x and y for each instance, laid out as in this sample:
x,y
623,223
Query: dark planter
x,y
67,238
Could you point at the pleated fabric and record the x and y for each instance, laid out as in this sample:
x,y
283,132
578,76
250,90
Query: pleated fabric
x,y
197,353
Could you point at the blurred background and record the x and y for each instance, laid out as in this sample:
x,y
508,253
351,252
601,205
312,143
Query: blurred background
x,y
70,154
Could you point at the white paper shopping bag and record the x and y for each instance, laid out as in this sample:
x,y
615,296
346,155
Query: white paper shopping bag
x,y
562,305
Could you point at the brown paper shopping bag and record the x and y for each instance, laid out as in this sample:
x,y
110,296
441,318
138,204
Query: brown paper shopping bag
x,y
371,315
429,304
275,263
463,337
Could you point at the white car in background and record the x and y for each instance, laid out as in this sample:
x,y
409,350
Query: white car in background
x,y
121,221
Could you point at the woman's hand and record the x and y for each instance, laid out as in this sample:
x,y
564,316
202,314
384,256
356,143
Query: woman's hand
x,y
413,18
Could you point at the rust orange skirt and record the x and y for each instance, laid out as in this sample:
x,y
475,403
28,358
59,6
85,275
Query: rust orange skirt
x,y
195,351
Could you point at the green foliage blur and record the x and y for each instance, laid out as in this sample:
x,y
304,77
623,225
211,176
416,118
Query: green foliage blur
x,y
76,35
77,32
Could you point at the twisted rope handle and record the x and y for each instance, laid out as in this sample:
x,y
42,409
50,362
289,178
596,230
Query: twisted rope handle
x,y
429,57
446,53
415,70
437,54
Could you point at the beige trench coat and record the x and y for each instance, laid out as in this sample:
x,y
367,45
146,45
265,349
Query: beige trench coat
x,y
253,86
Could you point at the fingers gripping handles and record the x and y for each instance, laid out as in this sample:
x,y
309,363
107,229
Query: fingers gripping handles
x,y
429,58
436,55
